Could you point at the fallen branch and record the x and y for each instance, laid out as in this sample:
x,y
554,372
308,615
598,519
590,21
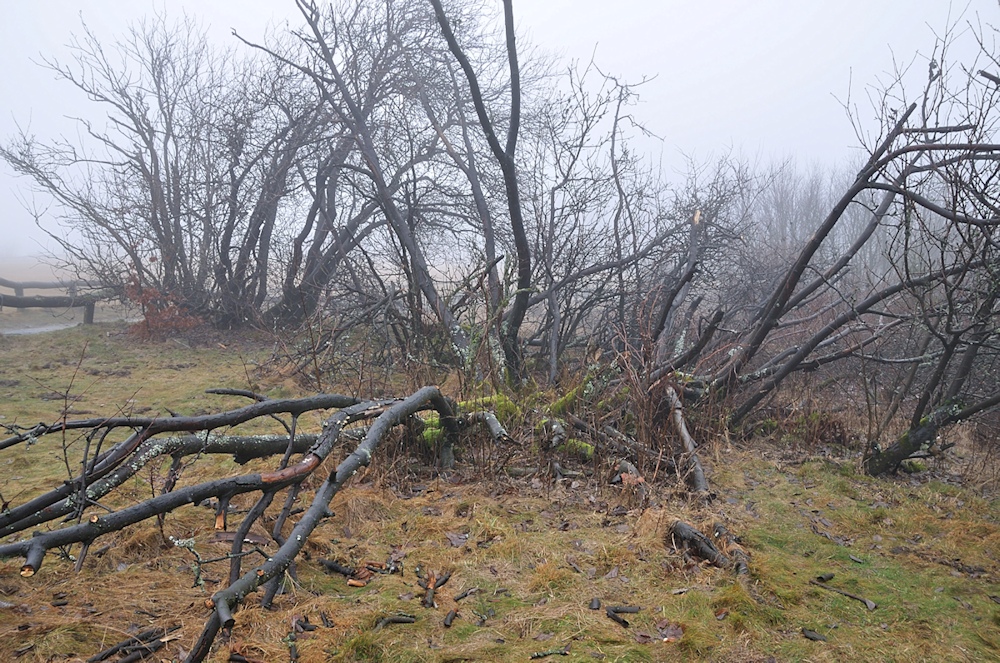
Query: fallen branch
x,y
103,471
227,599
33,549
66,500
156,425
141,639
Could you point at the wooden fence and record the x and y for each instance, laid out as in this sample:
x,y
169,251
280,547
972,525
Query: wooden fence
x,y
70,300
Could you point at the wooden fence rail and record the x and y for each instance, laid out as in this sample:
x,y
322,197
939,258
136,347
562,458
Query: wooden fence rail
x,y
19,287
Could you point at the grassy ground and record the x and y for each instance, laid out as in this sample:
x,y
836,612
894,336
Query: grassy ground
x,y
925,550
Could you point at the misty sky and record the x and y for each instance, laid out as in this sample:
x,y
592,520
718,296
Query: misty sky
x,y
767,78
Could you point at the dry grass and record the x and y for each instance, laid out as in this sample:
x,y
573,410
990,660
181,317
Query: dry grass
x,y
925,551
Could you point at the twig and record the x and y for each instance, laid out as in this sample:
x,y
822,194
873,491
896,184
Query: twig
x,y
148,641
614,611
871,605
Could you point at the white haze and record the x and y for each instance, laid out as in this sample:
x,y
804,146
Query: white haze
x,y
768,78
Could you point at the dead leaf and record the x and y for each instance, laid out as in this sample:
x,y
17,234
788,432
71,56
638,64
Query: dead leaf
x,y
643,638
721,614
542,637
612,574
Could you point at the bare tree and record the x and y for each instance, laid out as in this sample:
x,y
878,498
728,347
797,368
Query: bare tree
x,y
505,156
182,191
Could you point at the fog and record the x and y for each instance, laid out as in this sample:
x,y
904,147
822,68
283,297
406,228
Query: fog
x,y
768,79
